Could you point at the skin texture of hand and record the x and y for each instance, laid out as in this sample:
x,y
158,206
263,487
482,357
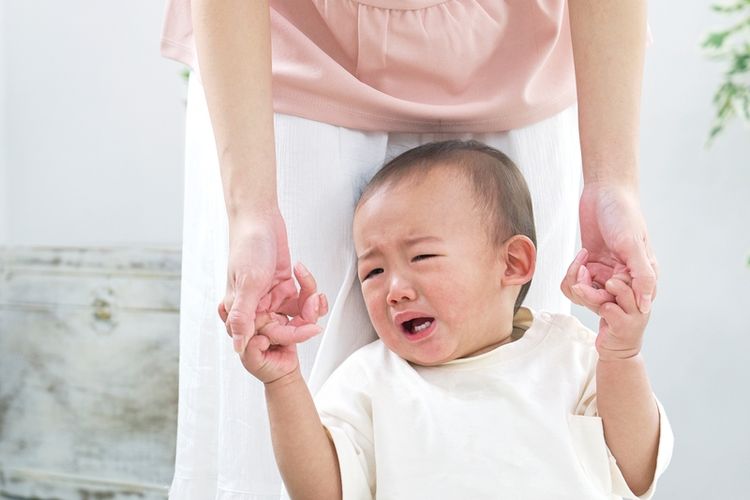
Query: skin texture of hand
x,y
621,324
271,353
259,278
614,234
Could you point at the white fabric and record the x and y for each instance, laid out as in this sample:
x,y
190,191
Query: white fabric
x,y
223,441
516,422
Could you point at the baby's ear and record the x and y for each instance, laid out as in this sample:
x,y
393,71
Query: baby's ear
x,y
520,260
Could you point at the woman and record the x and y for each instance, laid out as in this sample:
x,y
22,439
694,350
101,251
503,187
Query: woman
x,y
355,82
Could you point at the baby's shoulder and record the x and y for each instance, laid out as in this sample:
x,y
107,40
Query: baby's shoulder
x,y
568,347
371,359
566,329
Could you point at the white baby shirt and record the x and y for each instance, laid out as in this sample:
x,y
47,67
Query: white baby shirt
x,y
518,422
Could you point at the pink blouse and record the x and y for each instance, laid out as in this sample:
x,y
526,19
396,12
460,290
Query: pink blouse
x,y
411,65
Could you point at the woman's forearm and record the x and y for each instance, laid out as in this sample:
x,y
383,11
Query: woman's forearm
x,y
233,45
609,38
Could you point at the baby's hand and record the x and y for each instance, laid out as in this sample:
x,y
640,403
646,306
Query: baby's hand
x,y
272,352
622,325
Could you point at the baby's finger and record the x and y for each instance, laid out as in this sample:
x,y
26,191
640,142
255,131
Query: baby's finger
x,y
613,314
571,276
590,297
292,305
223,312
255,351
311,311
265,318
289,334
584,276
323,305
623,295
307,284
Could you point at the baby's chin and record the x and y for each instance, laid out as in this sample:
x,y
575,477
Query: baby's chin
x,y
423,356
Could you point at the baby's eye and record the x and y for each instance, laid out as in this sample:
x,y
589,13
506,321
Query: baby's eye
x,y
423,257
372,273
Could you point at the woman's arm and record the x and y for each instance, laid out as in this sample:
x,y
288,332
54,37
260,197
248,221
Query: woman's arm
x,y
233,43
609,38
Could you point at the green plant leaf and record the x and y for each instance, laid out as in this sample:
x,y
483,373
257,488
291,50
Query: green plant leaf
x,y
731,47
716,40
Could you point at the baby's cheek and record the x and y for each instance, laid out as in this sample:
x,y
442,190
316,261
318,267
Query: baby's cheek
x,y
454,307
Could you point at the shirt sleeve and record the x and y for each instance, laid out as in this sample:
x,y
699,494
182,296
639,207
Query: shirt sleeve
x,y
663,457
588,435
345,409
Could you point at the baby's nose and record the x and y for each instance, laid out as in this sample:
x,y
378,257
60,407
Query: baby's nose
x,y
400,290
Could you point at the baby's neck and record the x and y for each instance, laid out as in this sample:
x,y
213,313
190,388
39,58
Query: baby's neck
x,y
517,331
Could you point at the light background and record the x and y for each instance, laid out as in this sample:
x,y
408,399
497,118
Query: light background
x,y
91,151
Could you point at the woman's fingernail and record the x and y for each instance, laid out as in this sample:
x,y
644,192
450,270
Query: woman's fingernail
x,y
301,269
645,304
581,255
237,340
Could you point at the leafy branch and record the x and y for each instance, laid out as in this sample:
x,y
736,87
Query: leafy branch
x,y
732,47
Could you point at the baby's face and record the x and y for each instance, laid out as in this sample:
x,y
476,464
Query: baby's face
x,y
431,278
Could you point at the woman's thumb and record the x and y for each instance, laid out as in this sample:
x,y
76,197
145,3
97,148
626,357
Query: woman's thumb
x,y
643,276
241,317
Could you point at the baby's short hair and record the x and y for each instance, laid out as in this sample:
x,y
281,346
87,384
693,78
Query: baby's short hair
x,y
502,196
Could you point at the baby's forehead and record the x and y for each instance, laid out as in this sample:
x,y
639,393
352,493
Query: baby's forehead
x,y
447,176
422,202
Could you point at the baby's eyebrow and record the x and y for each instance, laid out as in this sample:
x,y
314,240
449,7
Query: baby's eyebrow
x,y
411,241
422,239
367,253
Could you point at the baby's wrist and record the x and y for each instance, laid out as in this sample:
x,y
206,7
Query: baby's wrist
x,y
620,355
293,377
620,369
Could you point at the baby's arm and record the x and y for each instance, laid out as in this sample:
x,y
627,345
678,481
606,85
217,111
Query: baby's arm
x,y
304,453
625,400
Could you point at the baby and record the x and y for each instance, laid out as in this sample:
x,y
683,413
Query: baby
x,y
466,394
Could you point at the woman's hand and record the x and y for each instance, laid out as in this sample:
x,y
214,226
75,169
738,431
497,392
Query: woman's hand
x,y
272,352
621,323
259,277
614,234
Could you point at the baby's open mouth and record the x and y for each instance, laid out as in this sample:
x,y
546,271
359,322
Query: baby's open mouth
x,y
417,325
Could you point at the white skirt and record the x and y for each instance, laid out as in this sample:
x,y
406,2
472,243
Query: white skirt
x,y
223,440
